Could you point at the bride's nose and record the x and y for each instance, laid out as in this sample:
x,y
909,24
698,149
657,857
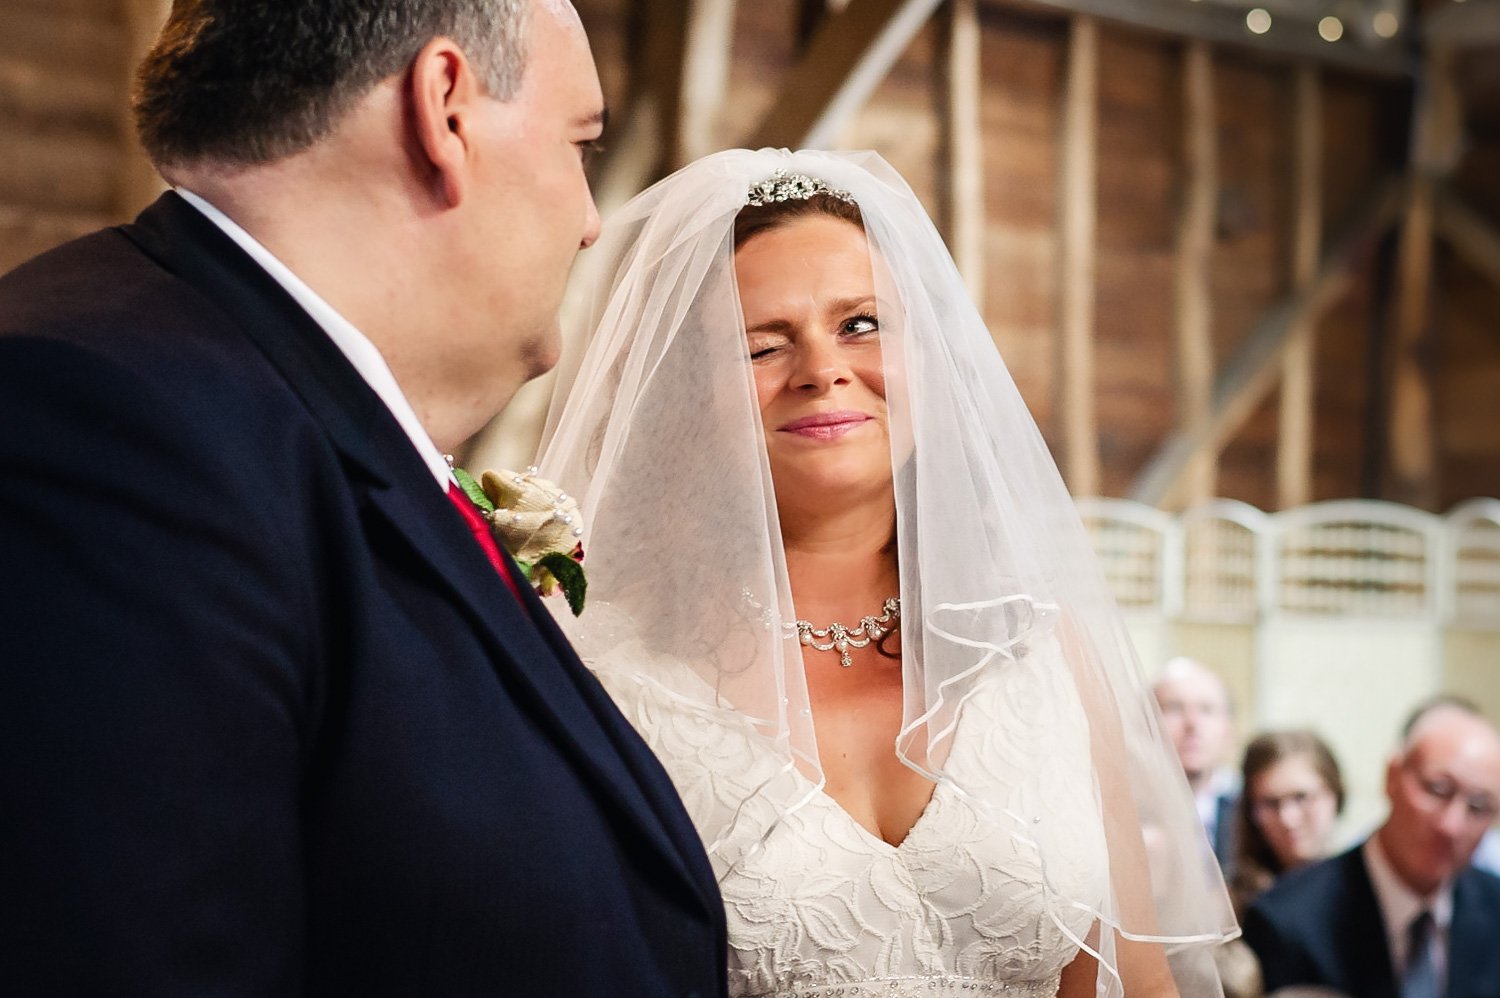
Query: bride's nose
x,y
819,366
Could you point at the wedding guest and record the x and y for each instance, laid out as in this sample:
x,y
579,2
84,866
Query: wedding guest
x,y
277,716
1404,912
1293,795
1198,713
1487,853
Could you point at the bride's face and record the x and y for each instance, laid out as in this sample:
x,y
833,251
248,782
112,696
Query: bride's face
x,y
809,303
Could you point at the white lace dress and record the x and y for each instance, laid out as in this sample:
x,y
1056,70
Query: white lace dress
x,y
818,906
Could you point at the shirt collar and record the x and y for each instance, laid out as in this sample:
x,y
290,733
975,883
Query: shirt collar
x,y
1399,904
361,353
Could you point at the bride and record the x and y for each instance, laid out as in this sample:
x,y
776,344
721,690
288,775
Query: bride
x,y
838,585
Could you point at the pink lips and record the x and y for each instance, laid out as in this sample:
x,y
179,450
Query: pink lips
x,y
825,425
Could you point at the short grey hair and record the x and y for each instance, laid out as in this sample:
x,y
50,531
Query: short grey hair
x,y
245,82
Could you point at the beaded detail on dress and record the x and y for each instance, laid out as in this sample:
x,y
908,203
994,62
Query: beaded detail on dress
x,y
922,987
816,903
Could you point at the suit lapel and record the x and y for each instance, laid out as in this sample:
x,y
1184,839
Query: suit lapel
x,y
1363,948
401,489
556,681
1473,954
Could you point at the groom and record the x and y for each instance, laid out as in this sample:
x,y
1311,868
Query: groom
x,y
271,722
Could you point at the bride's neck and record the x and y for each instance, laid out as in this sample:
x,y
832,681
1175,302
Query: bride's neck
x,y
841,561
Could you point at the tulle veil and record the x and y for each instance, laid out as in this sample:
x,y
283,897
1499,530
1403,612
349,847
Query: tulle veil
x,y
655,429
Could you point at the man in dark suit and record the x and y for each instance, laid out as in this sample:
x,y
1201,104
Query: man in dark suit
x,y
1198,715
1403,915
274,721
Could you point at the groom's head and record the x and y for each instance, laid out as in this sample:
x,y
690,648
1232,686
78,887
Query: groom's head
x,y
417,162
245,82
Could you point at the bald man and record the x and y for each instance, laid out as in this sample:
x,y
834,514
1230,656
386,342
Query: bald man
x,y
1403,915
1198,715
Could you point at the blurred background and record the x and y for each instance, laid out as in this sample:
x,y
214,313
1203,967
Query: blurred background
x,y
1242,259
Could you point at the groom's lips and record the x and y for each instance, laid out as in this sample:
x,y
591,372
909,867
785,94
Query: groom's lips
x,y
825,425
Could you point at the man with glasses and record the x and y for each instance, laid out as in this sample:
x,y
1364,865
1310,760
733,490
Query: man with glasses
x,y
1403,915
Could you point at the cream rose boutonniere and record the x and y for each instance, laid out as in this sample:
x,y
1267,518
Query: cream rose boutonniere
x,y
538,523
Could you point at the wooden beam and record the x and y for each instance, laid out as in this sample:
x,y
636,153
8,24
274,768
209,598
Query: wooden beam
x,y
1244,381
1437,126
1078,200
139,183
705,77
1290,38
848,57
1463,25
663,73
1476,239
961,146
1294,450
1194,265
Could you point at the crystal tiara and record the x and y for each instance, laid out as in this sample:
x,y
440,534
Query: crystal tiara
x,y
783,186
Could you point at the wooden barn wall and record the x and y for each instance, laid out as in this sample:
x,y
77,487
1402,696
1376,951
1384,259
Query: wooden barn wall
x,y
63,70
64,155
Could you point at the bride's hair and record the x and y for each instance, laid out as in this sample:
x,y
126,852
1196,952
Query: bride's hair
x,y
756,218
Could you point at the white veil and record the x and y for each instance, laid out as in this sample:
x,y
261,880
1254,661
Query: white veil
x,y
656,431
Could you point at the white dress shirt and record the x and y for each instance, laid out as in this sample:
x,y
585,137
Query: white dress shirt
x,y
1400,905
354,345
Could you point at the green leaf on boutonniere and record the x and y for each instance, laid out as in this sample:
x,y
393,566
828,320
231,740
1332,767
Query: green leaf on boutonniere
x,y
569,576
472,490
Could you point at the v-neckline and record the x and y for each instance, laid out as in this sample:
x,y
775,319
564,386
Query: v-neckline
x,y
871,837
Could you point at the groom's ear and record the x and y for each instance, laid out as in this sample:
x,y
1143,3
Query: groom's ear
x,y
444,94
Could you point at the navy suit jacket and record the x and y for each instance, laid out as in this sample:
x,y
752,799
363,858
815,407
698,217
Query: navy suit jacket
x,y
1322,926
270,723
1223,842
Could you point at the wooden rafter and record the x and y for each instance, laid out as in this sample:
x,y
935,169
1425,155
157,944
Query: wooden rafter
x,y
1462,25
1289,38
1476,239
1244,381
847,58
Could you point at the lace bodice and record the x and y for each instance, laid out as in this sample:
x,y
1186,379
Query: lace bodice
x,y
816,903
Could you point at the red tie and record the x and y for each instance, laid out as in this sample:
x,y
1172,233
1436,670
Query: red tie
x,y
481,531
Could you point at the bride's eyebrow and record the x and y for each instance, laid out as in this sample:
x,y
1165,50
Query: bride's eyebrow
x,y
771,326
857,303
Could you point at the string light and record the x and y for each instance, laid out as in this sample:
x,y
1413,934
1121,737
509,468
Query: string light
x,y
1258,20
1331,29
1386,24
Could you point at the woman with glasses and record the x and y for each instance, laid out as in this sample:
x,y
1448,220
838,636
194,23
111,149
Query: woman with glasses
x,y
1293,795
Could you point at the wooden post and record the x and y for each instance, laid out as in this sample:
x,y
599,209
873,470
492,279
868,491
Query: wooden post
x,y
1245,379
1078,195
1195,247
139,181
664,74
705,75
1413,443
1294,452
961,147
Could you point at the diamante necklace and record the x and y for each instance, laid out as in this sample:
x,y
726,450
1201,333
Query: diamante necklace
x,y
841,638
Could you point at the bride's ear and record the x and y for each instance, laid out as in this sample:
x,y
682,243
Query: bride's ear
x,y
443,94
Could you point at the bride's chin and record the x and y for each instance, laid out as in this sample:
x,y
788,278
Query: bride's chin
x,y
831,484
